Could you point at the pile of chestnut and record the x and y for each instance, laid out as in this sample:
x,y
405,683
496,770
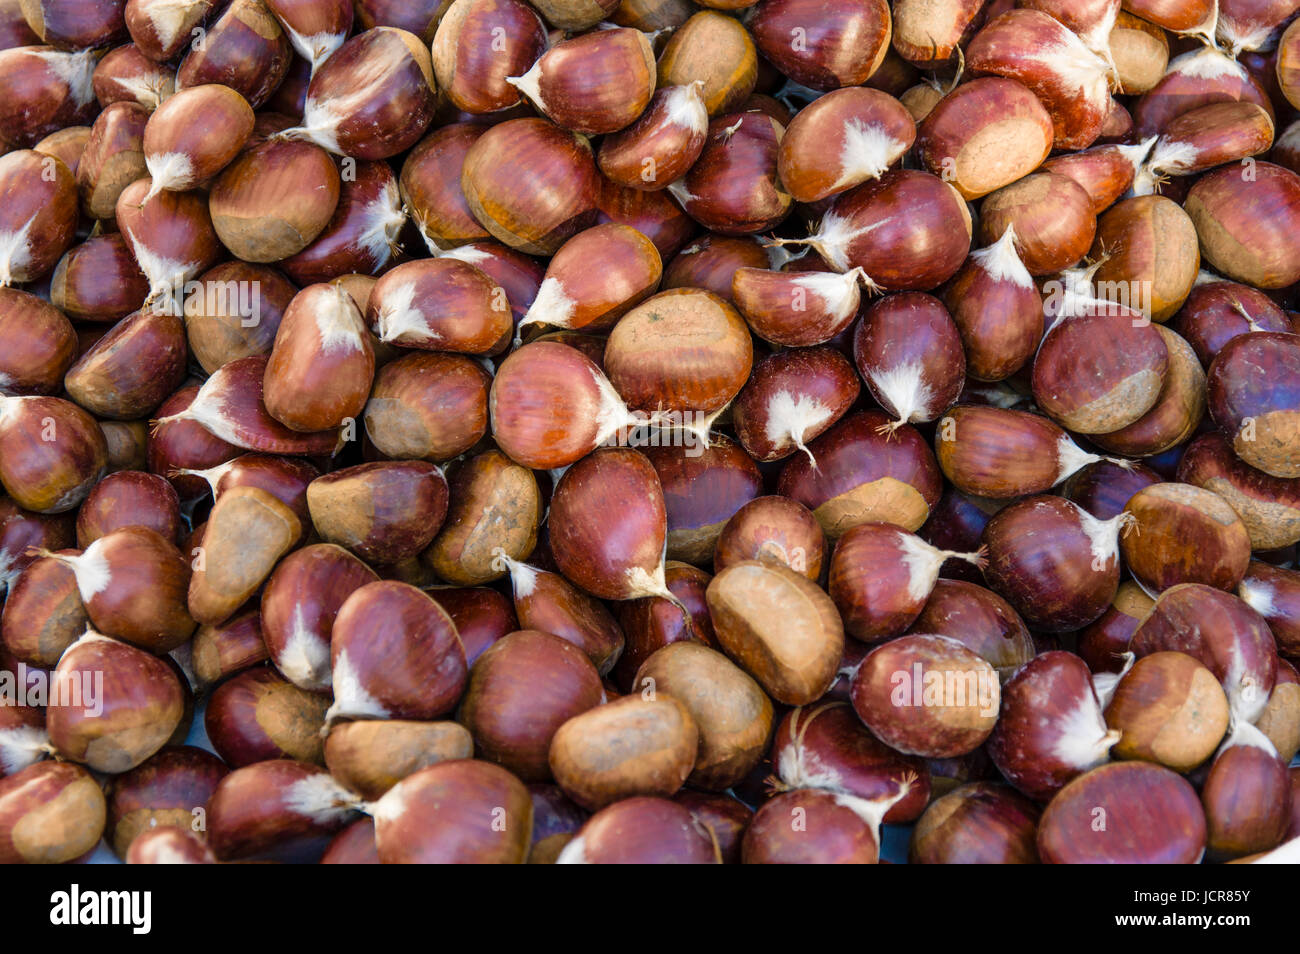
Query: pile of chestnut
x,y
593,431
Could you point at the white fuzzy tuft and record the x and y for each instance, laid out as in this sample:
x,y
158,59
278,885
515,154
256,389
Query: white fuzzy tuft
x,y
612,415
1079,68
799,766
383,219
1290,138
1084,739
172,171
1103,535
338,324
873,811
685,108
1001,262
315,49
398,316
551,307
464,253
922,561
322,117
319,797
903,391
350,697
1071,458
15,253
91,570
837,291
679,192
305,659
836,234
790,417
167,277
21,746
169,17
866,151
574,853
1244,734
1259,596
1206,63
530,84
74,70
640,583
145,90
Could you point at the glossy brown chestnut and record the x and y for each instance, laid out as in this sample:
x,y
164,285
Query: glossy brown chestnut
x,y
125,499
132,369
979,619
1247,797
404,504
50,813
244,48
42,91
643,830
716,49
259,715
226,649
1103,643
822,48
1251,400
661,146
440,304
702,491
235,312
478,45
169,789
1240,245
978,823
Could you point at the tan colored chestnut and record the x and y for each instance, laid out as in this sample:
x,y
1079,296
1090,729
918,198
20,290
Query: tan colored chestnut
x,y
717,50
1183,534
373,755
780,627
247,533
1140,52
384,512
984,135
661,146
428,406
927,34
594,279
113,158
274,199
140,703
322,365
596,83
495,505
625,748
50,813
1169,709
1147,243
733,714
1280,722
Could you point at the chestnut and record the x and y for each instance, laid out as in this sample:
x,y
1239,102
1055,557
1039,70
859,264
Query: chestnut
x,y
301,599
1168,709
642,830
1243,246
495,504
169,845
1052,217
171,237
977,823
927,34
22,533
39,219
791,398
712,262
717,50
547,602
979,619
268,805
126,499
1217,311
244,48
116,705
132,369
258,715
1278,723
226,649
652,622
797,309
193,136
1263,502
478,45
702,491
826,746
909,352
654,214
246,534
355,844
862,470
274,199
44,90
50,813
1183,534
314,29
521,690
731,711
464,811
1051,727
637,745
847,46
113,157
661,146
1271,591
779,627
811,826
1247,796
1223,633
734,188
98,280
406,502
1103,643
394,655
1250,401
44,344
43,614
126,74
167,790
531,184
595,83
373,755
1124,813
430,184
927,695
